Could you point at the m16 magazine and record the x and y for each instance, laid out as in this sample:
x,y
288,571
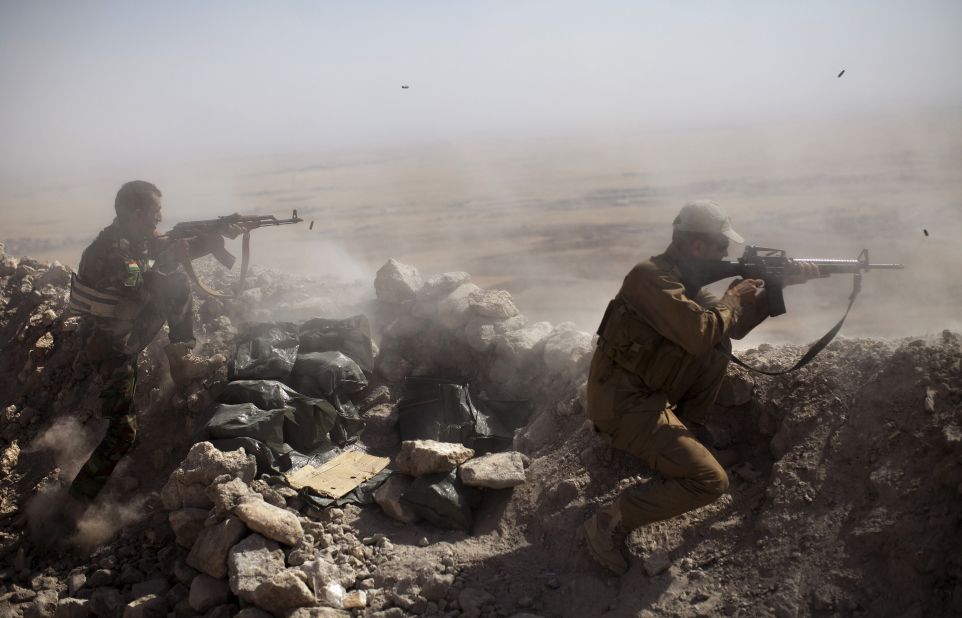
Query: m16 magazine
x,y
771,266
230,226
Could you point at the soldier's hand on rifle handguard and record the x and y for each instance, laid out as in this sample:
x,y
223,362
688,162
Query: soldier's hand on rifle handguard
x,y
802,272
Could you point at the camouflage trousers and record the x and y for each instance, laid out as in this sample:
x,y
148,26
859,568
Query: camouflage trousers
x,y
642,424
117,408
111,347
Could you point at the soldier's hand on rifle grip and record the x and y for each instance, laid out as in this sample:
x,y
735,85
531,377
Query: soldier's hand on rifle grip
x,y
745,290
803,271
177,251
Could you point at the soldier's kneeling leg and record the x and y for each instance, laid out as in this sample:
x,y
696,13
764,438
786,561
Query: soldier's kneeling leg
x,y
693,478
117,409
120,436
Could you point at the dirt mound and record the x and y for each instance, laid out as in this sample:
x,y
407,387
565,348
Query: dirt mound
x,y
845,497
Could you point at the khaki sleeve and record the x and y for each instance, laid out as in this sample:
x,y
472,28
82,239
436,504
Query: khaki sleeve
x,y
662,302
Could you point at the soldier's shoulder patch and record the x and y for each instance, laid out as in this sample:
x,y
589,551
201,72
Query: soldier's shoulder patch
x,y
134,274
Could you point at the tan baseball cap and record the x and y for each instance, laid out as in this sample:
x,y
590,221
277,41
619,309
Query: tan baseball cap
x,y
707,217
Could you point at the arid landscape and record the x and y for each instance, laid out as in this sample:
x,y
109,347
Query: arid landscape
x,y
558,222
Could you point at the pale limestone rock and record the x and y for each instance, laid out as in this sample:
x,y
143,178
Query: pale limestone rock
x,y
210,551
317,612
356,599
496,304
454,309
207,593
567,350
388,497
204,463
494,471
516,346
187,525
396,282
150,606
226,496
420,457
187,486
72,608
327,580
252,562
9,459
284,590
271,521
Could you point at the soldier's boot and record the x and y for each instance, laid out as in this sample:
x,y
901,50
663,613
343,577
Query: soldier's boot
x,y
606,539
185,367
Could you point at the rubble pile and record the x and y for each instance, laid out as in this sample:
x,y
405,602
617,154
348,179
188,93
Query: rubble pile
x,y
845,497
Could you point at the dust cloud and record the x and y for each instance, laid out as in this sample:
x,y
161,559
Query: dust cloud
x,y
68,442
102,521
559,221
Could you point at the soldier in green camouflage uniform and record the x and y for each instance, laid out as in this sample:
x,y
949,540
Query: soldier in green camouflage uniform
x,y
128,285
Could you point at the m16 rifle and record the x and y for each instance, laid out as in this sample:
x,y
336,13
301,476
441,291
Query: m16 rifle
x,y
229,226
772,266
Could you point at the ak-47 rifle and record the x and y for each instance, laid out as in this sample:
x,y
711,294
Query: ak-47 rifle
x,y
230,226
771,266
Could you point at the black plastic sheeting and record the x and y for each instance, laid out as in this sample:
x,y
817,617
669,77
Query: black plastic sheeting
x,y
282,418
443,500
265,351
351,336
323,374
435,409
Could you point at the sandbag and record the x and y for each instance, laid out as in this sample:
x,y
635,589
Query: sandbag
x,y
436,409
246,420
442,500
309,424
324,374
350,336
265,351
265,394
268,461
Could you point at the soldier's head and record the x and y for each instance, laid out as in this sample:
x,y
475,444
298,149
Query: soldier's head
x,y
703,230
138,207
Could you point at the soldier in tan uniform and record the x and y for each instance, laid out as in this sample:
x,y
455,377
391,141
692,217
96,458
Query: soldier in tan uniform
x,y
129,284
658,359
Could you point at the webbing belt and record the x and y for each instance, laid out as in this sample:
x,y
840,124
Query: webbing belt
x,y
817,347
238,287
85,299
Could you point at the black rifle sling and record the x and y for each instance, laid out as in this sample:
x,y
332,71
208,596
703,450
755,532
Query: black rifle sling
x,y
817,347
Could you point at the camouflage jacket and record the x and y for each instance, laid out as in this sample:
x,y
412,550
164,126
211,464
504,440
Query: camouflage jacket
x,y
109,290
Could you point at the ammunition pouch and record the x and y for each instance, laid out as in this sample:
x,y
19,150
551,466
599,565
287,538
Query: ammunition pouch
x,y
636,347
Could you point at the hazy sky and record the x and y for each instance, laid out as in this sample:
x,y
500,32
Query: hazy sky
x,y
88,84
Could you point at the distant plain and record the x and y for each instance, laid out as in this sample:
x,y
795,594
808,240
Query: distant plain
x,y
558,221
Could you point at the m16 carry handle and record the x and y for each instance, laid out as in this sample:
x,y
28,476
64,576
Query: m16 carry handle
x,y
771,266
229,226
